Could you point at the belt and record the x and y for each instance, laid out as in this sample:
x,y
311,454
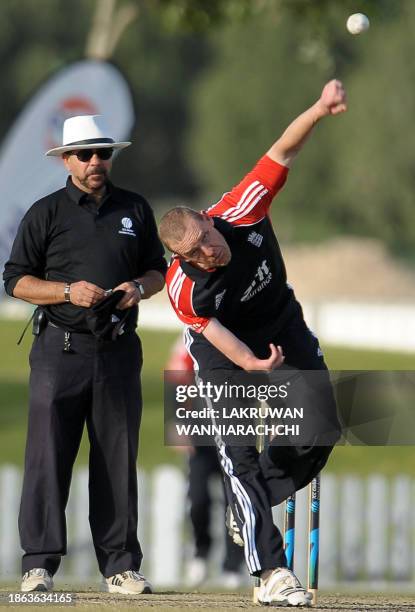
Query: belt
x,y
68,334
67,347
85,332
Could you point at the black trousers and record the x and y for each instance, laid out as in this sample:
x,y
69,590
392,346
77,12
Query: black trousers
x,y
255,482
203,464
97,383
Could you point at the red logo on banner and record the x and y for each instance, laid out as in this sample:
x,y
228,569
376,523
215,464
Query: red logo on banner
x,y
67,108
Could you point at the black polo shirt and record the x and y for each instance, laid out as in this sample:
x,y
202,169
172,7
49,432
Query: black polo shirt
x,y
65,237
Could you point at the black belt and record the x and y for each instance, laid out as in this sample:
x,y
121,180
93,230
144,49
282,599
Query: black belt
x,y
67,348
85,332
68,334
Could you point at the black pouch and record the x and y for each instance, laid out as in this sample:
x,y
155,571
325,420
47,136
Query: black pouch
x,y
105,320
39,323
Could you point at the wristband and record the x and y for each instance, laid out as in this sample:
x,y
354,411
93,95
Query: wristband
x,y
67,292
140,287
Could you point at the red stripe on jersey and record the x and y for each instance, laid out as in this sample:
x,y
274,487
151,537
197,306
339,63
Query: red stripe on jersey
x,y
180,289
185,297
249,201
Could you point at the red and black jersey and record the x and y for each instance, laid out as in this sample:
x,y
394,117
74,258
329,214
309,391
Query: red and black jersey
x,y
251,292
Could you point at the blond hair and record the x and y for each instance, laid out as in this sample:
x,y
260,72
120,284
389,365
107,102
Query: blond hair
x,y
173,225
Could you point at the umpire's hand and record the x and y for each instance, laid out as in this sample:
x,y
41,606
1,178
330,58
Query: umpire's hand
x,y
132,295
85,294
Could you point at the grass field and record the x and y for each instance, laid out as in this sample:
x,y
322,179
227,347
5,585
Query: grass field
x,y
13,403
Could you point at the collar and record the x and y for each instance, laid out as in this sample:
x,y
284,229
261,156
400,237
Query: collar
x,y
79,197
226,229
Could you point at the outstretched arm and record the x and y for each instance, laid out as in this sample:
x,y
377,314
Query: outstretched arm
x,y
238,352
331,102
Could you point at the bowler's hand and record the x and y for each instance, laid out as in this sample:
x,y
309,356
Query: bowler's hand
x,y
131,297
85,294
333,98
274,361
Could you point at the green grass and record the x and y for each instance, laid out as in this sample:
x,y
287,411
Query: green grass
x,y
13,403
339,358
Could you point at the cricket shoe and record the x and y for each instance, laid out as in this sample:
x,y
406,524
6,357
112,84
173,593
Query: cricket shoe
x,y
127,583
283,588
232,527
37,579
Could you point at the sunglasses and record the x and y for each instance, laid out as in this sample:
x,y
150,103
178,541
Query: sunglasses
x,y
84,155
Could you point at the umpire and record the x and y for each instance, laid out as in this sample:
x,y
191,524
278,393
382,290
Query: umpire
x,y
73,248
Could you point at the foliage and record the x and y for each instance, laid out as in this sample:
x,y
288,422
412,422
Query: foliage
x,y
200,15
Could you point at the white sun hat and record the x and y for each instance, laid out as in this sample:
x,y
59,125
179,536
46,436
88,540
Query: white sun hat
x,y
86,132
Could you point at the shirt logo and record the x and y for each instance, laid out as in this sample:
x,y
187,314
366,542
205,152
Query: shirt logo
x,y
127,224
319,351
218,298
262,278
255,239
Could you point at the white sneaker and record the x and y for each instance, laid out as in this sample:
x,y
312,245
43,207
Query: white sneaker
x,y
233,528
127,583
196,572
37,579
283,587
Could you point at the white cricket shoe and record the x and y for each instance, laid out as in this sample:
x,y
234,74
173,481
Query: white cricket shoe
x,y
127,583
233,528
282,587
36,579
196,572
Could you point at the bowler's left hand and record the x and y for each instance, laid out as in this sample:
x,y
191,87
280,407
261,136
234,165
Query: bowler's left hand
x,y
131,297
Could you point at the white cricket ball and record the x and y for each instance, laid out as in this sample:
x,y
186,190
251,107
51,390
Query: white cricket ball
x,y
357,23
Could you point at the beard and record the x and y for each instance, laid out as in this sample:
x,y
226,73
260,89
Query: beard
x,y
95,179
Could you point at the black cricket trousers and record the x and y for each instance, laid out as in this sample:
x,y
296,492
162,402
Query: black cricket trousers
x,y
97,383
254,482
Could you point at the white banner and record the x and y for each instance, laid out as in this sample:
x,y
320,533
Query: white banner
x,y
87,87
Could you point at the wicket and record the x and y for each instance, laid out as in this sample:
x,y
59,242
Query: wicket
x,y
313,535
289,530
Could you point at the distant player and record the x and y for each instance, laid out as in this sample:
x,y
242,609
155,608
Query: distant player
x,y
227,283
